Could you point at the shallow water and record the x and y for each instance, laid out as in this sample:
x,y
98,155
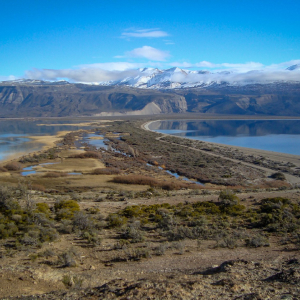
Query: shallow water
x,y
94,142
30,170
176,175
14,133
272,135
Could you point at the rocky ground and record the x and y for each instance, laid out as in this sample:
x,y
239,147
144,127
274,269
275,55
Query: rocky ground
x,y
234,279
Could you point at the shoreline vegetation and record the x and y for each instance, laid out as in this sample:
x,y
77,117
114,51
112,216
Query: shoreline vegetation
x,y
113,223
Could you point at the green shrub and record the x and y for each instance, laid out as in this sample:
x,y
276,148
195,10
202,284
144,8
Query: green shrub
x,y
269,205
41,219
161,249
67,259
114,220
225,240
8,230
134,234
43,208
91,237
48,234
257,241
65,209
132,211
8,205
137,253
82,221
228,197
278,176
234,210
65,226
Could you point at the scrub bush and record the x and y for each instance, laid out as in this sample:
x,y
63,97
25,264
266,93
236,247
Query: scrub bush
x,y
66,209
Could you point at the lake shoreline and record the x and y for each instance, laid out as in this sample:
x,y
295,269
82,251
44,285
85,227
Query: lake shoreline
x,y
272,155
251,151
46,142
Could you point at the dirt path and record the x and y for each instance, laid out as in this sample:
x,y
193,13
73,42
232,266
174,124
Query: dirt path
x,y
293,180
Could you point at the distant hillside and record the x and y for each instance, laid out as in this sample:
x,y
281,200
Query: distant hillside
x,y
45,99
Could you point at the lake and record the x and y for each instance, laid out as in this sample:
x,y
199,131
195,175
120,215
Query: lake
x,y
272,135
14,134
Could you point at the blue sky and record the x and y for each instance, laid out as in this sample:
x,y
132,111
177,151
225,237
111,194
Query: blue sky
x,y
63,39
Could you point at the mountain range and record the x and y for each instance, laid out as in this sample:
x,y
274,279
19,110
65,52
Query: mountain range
x,y
154,91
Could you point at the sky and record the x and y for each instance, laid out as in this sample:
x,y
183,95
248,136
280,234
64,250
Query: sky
x,y
91,40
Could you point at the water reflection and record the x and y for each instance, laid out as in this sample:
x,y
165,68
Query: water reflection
x,y
272,135
13,134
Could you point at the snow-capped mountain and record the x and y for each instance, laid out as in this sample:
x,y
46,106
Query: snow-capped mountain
x,y
176,78
153,78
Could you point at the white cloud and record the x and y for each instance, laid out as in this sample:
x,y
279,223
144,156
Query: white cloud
x,y
82,74
6,78
223,66
144,33
149,53
254,76
251,72
238,67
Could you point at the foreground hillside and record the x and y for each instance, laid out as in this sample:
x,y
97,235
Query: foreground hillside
x,y
112,223
45,99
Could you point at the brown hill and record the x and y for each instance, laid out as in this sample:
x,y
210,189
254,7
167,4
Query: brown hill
x,y
59,100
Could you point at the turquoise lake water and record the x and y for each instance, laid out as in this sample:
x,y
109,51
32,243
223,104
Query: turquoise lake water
x,y
272,135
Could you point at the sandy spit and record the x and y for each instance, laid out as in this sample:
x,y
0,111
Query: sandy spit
x,y
272,155
47,142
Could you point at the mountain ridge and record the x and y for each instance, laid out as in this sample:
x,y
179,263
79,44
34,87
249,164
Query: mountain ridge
x,y
61,99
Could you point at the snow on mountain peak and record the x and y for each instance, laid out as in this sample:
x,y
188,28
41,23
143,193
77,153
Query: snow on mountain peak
x,y
154,78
